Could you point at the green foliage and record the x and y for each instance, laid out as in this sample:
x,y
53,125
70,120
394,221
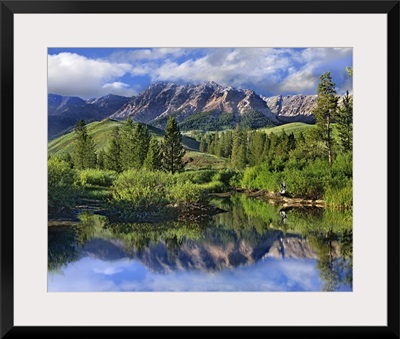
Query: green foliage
x,y
84,155
203,161
254,119
62,247
112,156
260,177
197,176
141,141
61,191
294,127
102,133
344,122
203,147
153,157
256,148
141,188
340,197
349,71
315,179
126,141
325,111
100,159
187,192
208,121
96,177
172,149
239,149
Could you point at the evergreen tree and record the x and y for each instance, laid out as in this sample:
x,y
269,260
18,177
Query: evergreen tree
x,y
67,158
216,145
202,147
211,147
84,155
226,144
126,145
238,156
325,112
100,159
344,122
256,148
153,158
172,149
112,156
140,146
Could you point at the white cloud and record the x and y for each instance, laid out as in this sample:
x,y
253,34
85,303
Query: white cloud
x,y
147,54
119,88
268,71
301,81
72,74
228,66
130,275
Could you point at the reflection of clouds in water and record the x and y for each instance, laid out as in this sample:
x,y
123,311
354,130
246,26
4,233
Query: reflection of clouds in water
x,y
129,275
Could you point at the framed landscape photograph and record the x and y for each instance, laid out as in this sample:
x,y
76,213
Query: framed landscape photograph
x,y
188,170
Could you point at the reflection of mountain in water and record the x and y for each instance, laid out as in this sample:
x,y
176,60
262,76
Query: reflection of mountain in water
x,y
203,255
251,231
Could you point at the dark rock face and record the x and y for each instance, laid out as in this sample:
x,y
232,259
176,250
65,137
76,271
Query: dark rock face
x,y
64,112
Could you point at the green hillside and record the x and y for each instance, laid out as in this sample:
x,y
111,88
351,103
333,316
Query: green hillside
x,y
294,127
102,133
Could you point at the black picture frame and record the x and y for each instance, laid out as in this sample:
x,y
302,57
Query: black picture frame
x,y
7,11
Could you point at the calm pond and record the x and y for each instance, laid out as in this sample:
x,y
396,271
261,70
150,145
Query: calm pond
x,y
254,246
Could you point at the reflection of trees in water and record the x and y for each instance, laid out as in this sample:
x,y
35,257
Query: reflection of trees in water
x,y
248,220
329,232
140,236
334,261
62,247
65,242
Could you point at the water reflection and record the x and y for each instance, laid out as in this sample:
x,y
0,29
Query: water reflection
x,y
246,248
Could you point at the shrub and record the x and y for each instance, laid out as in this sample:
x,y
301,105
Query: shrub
x,y
340,197
196,177
61,190
142,188
187,192
96,177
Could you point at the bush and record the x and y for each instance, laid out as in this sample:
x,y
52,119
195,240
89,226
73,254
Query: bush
x,y
196,177
260,177
187,192
224,176
142,188
340,197
96,177
61,190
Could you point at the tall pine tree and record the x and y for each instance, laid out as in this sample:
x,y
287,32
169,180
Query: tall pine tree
x,y
126,145
344,122
140,146
153,157
256,148
325,112
238,157
100,159
172,149
112,157
84,155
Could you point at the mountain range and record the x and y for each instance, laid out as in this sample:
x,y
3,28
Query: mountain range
x,y
207,106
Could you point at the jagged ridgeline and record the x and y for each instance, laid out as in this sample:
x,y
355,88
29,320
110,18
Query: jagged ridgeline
x,y
208,106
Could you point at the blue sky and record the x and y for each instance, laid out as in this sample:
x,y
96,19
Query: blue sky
x,y
91,275
94,72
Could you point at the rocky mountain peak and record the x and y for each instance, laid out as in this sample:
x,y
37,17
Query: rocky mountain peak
x,y
162,99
